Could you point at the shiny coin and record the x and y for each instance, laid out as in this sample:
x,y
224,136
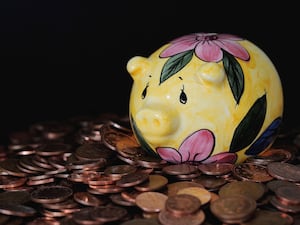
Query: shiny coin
x,y
132,179
262,217
108,213
17,210
182,204
284,171
174,187
87,199
233,209
202,194
288,194
51,194
247,188
178,169
141,221
155,182
167,218
151,201
211,183
283,207
252,172
274,184
216,169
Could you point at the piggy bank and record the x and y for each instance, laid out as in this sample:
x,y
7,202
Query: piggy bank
x,y
205,97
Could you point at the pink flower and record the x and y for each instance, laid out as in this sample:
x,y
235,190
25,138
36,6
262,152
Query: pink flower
x,y
195,148
207,46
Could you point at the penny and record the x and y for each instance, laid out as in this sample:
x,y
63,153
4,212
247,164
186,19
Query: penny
x,y
87,199
247,188
216,169
93,151
69,203
9,181
211,183
132,179
141,221
130,194
51,194
274,184
119,170
233,209
167,218
252,172
155,182
282,206
288,194
284,171
182,204
9,166
50,149
174,187
15,197
17,210
277,154
83,216
262,217
119,200
178,169
151,201
108,213
201,193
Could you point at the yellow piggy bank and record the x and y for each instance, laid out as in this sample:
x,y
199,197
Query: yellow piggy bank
x,y
205,97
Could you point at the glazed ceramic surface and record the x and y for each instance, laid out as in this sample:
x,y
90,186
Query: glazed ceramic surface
x,y
205,97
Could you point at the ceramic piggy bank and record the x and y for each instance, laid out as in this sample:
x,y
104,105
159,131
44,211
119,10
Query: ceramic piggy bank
x,y
205,97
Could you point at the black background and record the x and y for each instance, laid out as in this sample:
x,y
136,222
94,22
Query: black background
x,y
67,58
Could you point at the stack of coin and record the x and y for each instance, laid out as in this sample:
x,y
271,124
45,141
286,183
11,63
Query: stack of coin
x,y
91,170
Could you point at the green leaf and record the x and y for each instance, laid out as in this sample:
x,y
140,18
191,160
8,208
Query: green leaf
x,y
174,64
141,140
250,126
235,75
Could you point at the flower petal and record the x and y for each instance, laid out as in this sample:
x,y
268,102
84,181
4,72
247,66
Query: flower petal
x,y
208,51
234,48
198,146
169,154
223,157
178,47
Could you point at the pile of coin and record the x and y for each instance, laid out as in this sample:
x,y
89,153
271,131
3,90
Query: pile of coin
x,y
91,170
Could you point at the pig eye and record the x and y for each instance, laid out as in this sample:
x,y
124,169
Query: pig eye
x,y
182,97
144,93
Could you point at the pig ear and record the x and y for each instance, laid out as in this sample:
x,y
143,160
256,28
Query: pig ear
x,y
138,66
211,73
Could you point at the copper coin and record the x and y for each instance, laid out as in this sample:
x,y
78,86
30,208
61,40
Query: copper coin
x,y
182,204
202,194
17,210
119,200
251,189
252,172
15,197
51,194
282,206
288,194
174,187
155,182
167,218
108,213
52,148
274,184
141,221
178,169
93,151
83,216
262,217
215,168
233,209
9,181
284,171
87,199
10,167
132,179
211,183
151,201
119,170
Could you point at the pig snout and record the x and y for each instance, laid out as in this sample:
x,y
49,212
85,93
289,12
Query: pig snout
x,y
156,122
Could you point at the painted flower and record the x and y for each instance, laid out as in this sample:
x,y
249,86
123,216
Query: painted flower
x,y
208,47
195,148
